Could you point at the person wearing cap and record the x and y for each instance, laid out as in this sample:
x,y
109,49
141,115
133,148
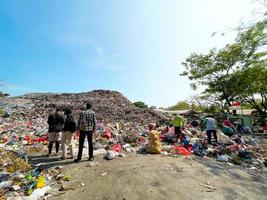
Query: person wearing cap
x,y
69,129
86,126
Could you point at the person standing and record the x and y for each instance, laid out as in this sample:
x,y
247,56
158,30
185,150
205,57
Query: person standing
x,y
86,126
177,122
69,129
211,127
55,122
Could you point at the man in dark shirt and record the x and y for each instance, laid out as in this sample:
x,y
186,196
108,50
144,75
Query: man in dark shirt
x,y
69,129
55,122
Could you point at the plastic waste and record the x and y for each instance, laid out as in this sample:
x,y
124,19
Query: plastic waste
x,y
117,148
40,182
16,187
111,155
5,184
107,134
182,150
3,176
233,148
222,158
38,193
223,139
127,146
245,154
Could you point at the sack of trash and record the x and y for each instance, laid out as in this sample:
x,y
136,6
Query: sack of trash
x,y
223,139
154,145
111,155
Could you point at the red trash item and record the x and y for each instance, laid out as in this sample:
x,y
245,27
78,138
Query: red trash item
x,y
141,139
162,137
233,148
182,150
107,134
27,138
41,139
117,148
189,147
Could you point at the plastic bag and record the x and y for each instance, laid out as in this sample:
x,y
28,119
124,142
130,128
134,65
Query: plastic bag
x,y
182,150
107,134
223,139
117,148
233,148
40,182
5,184
38,193
222,158
111,155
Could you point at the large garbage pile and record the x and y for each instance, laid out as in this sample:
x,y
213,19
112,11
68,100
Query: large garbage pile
x,y
23,131
109,106
121,129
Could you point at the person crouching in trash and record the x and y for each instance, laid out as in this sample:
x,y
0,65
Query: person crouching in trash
x,y
154,145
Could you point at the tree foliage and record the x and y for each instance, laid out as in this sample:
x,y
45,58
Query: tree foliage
x,y
181,105
140,104
235,72
2,94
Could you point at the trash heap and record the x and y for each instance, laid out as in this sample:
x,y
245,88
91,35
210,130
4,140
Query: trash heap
x,y
243,151
18,178
109,106
121,128
237,150
23,131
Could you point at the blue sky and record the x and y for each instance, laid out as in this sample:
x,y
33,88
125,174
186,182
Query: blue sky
x,y
135,47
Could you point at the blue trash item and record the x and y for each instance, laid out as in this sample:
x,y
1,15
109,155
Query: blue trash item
x,y
198,152
4,177
186,140
168,138
245,154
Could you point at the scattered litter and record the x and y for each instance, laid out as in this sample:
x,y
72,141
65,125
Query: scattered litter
x,y
104,174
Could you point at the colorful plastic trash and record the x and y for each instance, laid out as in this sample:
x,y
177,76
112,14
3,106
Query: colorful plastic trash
x,y
40,182
107,134
117,148
182,150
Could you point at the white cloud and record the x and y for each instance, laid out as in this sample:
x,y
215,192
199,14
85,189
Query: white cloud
x,y
15,89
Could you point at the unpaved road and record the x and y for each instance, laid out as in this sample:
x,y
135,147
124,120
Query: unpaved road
x,y
157,177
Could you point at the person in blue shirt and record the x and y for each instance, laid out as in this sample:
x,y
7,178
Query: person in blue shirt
x,y
211,127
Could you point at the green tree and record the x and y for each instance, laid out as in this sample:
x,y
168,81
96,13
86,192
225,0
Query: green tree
x,y
181,105
251,87
2,94
140,104
219,70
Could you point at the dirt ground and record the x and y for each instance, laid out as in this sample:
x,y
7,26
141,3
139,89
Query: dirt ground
x,y
158,177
